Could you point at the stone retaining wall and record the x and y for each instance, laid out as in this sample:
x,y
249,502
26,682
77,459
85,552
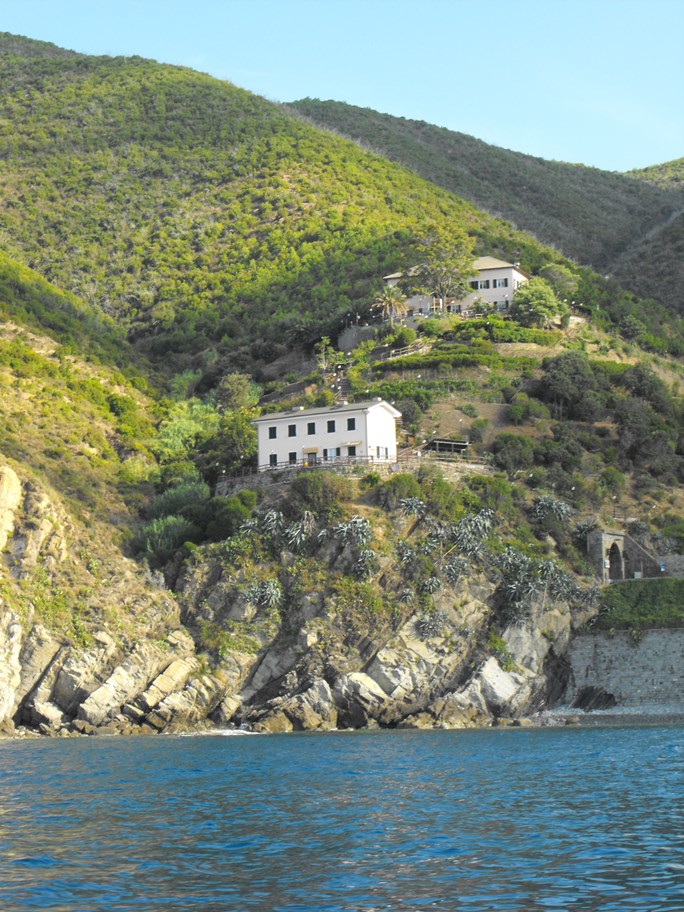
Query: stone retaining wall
x,y
647,672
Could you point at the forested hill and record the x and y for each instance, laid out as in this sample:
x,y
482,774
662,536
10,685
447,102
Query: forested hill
x,y
219,229
593,216
669,174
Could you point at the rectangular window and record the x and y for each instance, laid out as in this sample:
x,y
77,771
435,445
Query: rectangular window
x,y
272,433
351,451
331,427
500,283
292,430
311,427
382,452
273,459
483,283
475,285
293,459
351,424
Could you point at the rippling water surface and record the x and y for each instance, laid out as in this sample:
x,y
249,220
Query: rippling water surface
x,y
474,821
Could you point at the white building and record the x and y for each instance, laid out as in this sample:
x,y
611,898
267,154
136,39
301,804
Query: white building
x,y
359,431
494,286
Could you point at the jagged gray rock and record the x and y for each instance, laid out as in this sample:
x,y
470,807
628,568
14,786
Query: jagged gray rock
x,y
10,665
129,679
359,699
195,703
83,671
38,652
10,500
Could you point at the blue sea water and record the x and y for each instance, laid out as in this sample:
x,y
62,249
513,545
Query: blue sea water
x,y
469,821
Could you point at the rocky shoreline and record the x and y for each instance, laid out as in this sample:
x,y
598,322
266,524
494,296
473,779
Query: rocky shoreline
x,y
51,687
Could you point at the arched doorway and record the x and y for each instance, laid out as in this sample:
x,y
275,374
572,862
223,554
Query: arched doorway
x,y
615,567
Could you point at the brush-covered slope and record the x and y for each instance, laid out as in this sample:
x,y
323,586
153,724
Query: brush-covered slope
x,y
669,174
218,228
590,215
73,464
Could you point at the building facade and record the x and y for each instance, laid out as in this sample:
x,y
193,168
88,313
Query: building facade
x,y
364,432
495,285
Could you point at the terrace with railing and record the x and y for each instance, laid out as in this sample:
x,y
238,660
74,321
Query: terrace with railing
x,y
454,462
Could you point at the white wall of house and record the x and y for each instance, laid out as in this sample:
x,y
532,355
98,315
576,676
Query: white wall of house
x,y
365,431
496,283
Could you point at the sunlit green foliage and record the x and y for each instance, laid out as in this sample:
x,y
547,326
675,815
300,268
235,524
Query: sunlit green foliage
x,y
217,228
643,604
593,216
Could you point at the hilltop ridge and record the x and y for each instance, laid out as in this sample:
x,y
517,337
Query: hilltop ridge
x,y
595,217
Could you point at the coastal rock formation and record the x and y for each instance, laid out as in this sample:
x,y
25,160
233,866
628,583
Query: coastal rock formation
x,y
400,679
10,668
324,661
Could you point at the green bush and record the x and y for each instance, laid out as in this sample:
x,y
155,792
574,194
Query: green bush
x,y
228,514
512,452
160,539
477,429
411,414
179,499
321,493
398,488
405,336
640,604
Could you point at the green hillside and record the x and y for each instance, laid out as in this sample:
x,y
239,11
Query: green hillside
x,y
590,215
669,174
217,228
176,252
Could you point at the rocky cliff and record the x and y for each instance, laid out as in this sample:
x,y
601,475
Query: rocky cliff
x,y
215,653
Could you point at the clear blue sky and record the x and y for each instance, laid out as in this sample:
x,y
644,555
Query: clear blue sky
x,y
599,82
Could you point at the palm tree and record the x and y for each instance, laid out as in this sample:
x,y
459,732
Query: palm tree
x,y
391,303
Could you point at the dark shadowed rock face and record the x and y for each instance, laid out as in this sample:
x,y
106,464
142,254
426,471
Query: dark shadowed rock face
x,y
589,698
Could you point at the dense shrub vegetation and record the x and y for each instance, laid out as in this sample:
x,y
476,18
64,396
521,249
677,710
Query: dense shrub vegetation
x,y
593,216
217,228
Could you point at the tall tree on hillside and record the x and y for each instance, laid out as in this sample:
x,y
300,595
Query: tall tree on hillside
x,y
391,303
445,264
535,304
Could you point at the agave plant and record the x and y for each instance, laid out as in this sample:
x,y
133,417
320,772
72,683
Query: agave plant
x,y
413,506
588,598
521,582
356,531
249,525
366,563
456,568
404,552
430,624
430,585
272,523
468,534
547,508
296,536
582,529
265,594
